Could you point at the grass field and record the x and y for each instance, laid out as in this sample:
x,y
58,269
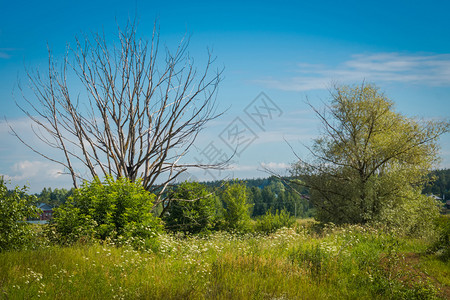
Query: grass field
x,y
350,262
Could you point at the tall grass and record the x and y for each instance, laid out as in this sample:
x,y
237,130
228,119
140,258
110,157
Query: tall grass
x,y
349,262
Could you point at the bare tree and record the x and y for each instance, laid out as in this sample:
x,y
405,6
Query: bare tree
x,y
138,116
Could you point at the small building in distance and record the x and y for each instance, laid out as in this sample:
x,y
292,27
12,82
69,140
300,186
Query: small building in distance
x,y
45,216
47,212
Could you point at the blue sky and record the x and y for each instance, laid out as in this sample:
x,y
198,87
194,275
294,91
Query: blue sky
x,y
290,51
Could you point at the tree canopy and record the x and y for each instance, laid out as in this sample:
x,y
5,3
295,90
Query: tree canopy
x,y
15,208
192,208
371,162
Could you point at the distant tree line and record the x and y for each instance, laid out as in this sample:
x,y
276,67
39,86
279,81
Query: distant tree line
x,y
263,194
54,197
439,184
270,194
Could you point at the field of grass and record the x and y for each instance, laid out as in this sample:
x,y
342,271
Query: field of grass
x,y
351,262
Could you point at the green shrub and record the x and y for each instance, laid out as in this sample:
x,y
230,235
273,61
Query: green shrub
x,y
442,246
270,223
106,211
15,208
192,209
70,225
413,215
236,216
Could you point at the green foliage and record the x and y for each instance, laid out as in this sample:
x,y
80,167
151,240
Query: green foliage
x,y
412,214
70,225
270,223
192,209
439,184
275,195
371,162
442,246
236,215
106,210
15,208
271,194
54,197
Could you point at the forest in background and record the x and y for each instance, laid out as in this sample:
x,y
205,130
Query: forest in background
x,y
271,194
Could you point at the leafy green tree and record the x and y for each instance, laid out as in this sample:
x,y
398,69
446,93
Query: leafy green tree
x,y
371,162
111,209
15,208
236,213
268,197
192,209
259,207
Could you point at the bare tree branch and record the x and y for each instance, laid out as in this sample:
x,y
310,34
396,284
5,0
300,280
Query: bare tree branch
x,y
138,115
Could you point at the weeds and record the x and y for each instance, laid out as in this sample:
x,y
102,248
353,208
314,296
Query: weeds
x,y
351,262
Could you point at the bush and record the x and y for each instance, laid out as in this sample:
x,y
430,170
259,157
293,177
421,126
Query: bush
x,y
442,246
236,215
412,216
106,210
15,208
269,223
70,225
192,209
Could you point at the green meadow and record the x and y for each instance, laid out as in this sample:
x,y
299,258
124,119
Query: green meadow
x,y
302,262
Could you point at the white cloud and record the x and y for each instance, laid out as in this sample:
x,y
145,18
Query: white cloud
x,y
4,55
428,70
28,170
275,166
4,52
240,167
19,124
